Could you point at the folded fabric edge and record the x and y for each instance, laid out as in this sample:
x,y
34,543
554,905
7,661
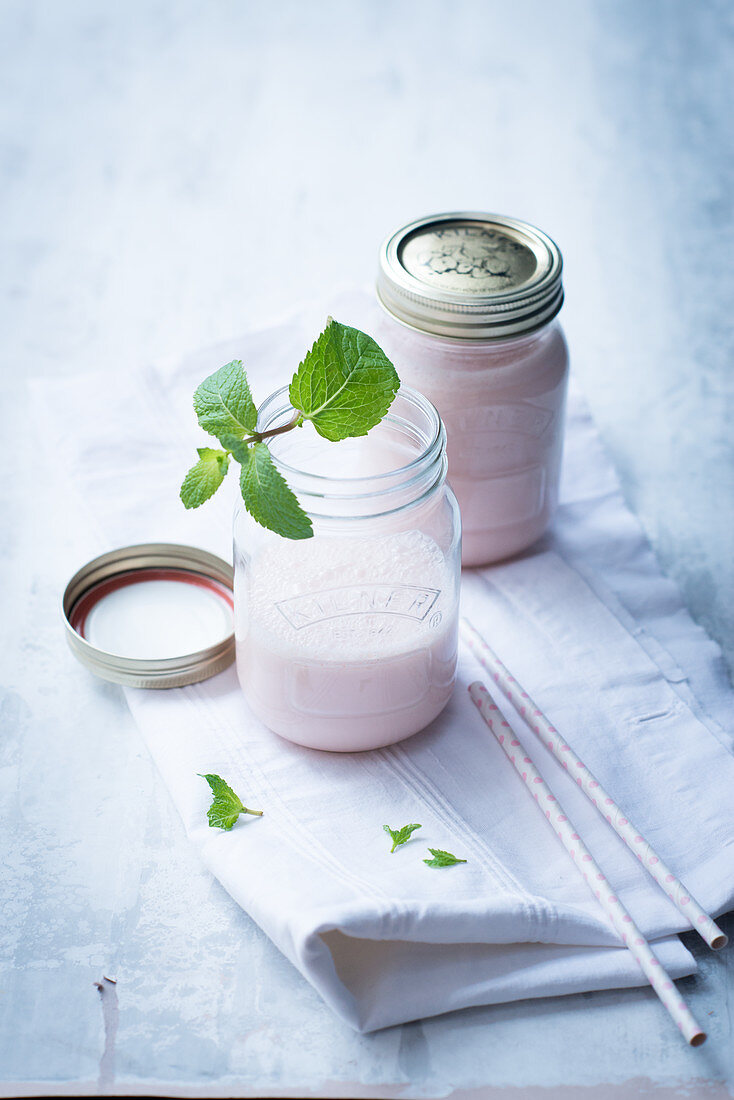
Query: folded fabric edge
x,y
438,923
427,980
362,979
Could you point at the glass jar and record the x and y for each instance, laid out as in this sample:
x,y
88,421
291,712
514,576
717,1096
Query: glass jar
x,y
348,640
469,306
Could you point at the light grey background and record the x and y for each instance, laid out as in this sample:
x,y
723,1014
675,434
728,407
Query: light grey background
x,y
172,173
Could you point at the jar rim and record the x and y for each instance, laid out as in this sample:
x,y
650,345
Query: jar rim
x,y
400,478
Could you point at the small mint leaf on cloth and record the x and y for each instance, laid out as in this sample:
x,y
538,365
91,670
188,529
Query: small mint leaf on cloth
x,y
400,836
203,479
224,404
442,859
226,806
268,498
345,384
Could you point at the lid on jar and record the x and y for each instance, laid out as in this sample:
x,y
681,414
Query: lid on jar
x,y
157,615
471,276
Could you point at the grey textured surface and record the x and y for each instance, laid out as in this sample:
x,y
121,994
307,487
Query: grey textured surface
x,y
172,173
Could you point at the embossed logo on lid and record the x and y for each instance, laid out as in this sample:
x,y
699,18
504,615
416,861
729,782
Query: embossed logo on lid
x,y
468,258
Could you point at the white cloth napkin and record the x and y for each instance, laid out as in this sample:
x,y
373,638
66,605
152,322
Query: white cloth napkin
x,y
585,621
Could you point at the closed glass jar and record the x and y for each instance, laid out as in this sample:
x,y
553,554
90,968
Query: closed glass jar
x,y
470,302
348,640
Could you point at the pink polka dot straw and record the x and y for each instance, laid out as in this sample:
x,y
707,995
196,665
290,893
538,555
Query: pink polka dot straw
x,y
553,812
592,788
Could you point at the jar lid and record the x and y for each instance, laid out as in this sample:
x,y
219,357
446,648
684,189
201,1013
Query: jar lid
x,y
156,615
471,276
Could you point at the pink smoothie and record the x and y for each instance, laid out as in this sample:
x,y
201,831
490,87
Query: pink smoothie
x,y
502,403
348,643
470,305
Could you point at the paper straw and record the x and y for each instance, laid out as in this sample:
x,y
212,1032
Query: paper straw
x,y
558,820
605,804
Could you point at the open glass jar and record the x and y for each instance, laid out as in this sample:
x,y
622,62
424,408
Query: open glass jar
x,y
348,640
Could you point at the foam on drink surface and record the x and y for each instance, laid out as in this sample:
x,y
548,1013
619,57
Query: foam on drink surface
x,y
348,643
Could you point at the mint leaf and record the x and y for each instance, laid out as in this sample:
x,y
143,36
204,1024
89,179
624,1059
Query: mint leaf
x,y
226,806
442,859
239,449
268,498
223,402
345,384
203,479
400,836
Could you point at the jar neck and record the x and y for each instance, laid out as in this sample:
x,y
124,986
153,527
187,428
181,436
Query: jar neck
x,y
400,462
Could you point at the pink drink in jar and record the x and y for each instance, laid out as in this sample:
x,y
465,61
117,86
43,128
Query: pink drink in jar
x,y
348,640
470,302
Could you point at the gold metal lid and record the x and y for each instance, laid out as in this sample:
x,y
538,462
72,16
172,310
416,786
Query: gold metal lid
x,y
156,615
471,276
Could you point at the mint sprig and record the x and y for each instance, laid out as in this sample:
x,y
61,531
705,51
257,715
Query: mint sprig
x,y
344,386
400,836
442,859
226,806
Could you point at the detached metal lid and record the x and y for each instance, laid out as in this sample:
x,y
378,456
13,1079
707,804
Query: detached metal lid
x,y
157,615
471,276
